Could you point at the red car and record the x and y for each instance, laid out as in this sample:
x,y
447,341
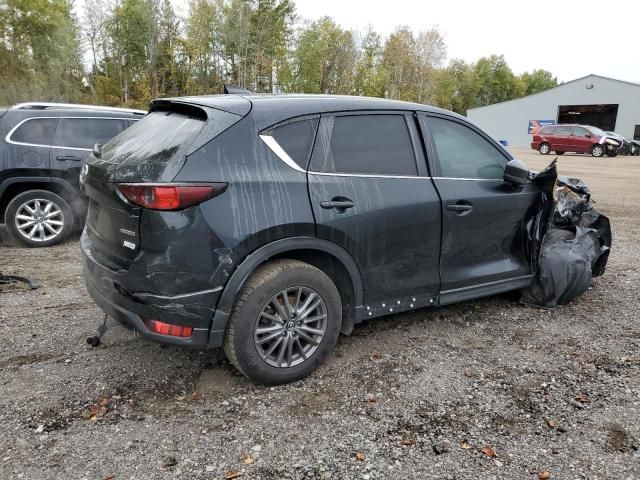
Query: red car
x,y
574,138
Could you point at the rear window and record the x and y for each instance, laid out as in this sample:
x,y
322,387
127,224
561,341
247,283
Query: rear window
x,y
546,130
86,132
157,138
35,131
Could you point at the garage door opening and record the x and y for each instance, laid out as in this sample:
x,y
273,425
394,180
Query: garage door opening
x,y
601,116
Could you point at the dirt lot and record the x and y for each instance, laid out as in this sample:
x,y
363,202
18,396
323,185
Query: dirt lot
x,y
485,389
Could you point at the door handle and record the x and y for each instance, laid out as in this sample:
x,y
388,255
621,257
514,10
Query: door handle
x,y
339,204
461,208
68,158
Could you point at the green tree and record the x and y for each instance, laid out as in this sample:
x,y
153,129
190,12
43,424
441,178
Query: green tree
x,y
455,89
323,60
538,81
368,75
40,54
495,82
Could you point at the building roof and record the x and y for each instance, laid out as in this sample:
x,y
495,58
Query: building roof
x,y
562,85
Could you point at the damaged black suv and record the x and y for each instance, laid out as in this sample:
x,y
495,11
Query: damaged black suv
x,y
267,225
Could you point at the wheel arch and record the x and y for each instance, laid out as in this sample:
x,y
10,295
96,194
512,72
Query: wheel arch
x,y
13,186
329,257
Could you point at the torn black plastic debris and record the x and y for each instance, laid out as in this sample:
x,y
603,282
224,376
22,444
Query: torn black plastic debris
x,y
575,241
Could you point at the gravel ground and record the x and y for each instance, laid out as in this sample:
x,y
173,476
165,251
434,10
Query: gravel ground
x,y
484,389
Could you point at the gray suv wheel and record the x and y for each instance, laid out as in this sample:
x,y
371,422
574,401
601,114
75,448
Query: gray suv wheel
x,y
39,218
286,321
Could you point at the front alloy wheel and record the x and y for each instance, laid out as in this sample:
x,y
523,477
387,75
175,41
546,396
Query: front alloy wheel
x,y
597,150
290,327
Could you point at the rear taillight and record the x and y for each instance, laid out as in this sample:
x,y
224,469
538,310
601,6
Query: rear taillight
x,y
170,329
169,196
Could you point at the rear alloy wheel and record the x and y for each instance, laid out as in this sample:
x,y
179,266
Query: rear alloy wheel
x,y
597,150
544,149
285,323
39,218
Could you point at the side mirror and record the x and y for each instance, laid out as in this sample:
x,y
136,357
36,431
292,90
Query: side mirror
x,y
516,172
588,135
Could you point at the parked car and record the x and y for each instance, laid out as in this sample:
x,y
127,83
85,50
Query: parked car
x,y
42,149
574,138
270,224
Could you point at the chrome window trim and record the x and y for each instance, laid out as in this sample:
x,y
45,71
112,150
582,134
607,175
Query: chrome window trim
x,y
19,124
275,147
365,175
470,179
13,142
279,152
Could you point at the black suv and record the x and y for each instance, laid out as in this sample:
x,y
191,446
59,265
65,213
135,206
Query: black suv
x,y
41,152
270,224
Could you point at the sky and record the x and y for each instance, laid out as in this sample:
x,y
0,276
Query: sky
x,y
571,39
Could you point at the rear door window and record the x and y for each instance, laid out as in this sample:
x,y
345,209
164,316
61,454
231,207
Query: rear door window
x,y
296,139
562,130
368,144
157,138
86,132
547,130
35,131
463,153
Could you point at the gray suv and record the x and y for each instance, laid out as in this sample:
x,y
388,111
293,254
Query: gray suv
x,y
42,149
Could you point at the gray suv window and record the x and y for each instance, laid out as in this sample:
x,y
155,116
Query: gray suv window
x,y
86,132
463,153
371,144
35,131
296,138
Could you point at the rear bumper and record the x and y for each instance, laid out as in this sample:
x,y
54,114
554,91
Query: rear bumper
x,y
535,145
109,289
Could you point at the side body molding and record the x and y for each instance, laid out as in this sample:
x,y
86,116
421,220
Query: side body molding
x,y
264,253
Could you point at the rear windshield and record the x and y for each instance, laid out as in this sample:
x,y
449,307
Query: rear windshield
x,y
158,138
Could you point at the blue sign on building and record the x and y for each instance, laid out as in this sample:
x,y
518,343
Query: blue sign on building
x,y
535,125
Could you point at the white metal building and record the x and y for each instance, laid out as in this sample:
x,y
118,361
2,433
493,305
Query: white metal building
x,y
610,104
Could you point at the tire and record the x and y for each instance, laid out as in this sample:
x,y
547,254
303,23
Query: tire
x,y
266,286
559,153
544,149
44,229
597,150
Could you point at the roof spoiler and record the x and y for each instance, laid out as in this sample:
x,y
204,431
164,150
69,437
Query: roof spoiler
x,y
230,88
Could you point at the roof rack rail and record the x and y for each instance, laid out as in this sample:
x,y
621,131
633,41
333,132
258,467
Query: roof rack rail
x,y
50,105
